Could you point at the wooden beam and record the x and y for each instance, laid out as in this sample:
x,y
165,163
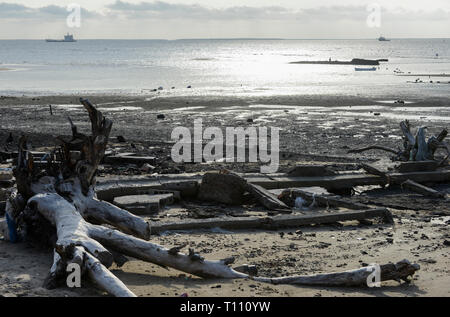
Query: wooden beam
x,y
271,223
423,190
325,201
267,199
418,166
107,190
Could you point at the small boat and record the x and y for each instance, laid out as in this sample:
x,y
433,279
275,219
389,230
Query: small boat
x,y
383,39
67,38
361,69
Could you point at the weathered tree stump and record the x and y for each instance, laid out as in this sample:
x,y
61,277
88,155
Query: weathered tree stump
x,y
415,148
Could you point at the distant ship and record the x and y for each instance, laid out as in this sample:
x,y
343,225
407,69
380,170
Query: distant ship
x,y
67,38
383,39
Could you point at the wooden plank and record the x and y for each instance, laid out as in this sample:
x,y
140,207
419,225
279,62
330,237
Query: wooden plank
x,y
353,180
372,170
423,190
110,189
270,223
418,166
267,199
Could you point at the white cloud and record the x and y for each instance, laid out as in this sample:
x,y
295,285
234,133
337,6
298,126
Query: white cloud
x,y
167,19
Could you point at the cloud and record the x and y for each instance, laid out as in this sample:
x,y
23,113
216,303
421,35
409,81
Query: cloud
x,y
164,19
165,10
18,11
160,9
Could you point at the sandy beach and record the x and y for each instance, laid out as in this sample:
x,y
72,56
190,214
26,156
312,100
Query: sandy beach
x,y
315,129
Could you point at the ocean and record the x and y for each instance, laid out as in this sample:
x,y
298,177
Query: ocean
x,y
223,67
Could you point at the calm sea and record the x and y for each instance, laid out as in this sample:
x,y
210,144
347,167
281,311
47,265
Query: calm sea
x,y
222,67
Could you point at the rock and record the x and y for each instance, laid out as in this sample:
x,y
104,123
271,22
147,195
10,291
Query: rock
x,y
250,120
121,139
223,187
251,270
160,117
143,204
447,243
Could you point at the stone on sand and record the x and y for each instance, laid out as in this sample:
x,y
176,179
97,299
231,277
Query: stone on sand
x,y
144,204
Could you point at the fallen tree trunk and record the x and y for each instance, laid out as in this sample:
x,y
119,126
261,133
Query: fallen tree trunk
x,y
360,277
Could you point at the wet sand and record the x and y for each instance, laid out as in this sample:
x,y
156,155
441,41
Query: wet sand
x,y
314,129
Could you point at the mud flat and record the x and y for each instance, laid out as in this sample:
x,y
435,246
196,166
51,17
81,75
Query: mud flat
x,y
315,129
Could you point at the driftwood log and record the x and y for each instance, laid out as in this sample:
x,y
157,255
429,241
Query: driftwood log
x,y
400,271
415,147
57,204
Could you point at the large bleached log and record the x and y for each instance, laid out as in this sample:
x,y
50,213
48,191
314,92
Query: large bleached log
x,y
403,270
104,278
150,252
72,229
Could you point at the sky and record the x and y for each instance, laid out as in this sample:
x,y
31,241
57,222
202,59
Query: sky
x,y
176,19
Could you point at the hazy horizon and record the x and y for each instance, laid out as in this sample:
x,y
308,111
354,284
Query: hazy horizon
x,y
216,19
